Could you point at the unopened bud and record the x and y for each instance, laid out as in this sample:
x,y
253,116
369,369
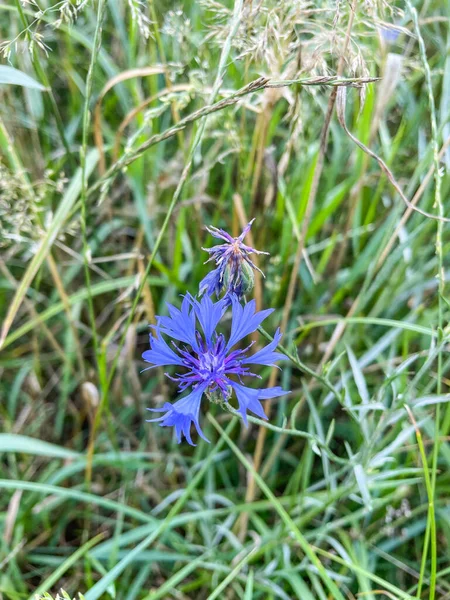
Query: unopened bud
x,y
90,394
33,384
216,396
240,280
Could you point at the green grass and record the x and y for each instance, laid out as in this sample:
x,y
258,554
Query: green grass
x,y
336,141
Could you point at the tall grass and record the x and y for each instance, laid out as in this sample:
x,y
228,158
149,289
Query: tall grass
x,y
125,128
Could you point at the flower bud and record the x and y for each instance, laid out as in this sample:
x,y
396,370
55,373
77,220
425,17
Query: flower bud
x,y
90,394
217,396
234,272
214,396
239,280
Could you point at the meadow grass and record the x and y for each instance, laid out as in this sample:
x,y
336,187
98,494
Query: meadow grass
x,y
126,127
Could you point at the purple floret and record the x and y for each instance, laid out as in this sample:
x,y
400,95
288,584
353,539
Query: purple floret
x,y
212,363
231,258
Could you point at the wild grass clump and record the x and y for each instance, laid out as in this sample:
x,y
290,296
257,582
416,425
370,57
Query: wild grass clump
x,y
129,132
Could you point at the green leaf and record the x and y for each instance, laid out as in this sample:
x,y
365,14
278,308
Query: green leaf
x,y
77,495
11,442
102,585
12,76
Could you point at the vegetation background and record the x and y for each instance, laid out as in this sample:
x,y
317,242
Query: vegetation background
x,y
111,166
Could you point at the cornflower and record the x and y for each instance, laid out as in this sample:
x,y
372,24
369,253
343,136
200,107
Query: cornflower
x,y
213,366
234,268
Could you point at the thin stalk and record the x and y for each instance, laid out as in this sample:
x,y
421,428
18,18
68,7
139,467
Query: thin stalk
x,y
431,522
385,585
441,288
301,365
293,432
83,200
53,267
232,575
60,571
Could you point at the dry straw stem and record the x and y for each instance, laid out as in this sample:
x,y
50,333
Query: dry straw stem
x,y
124,76
11,515
340,110
410,209
66,303
182,87
251,489
34,315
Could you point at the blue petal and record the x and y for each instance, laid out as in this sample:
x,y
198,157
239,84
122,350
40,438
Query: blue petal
x,y
245,231
272,392
248,400
180,325
245,320
266,356
182,414
160,354
220,234
212,283
209,314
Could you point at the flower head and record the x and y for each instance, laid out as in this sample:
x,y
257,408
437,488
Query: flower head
x,y
234,268
212,365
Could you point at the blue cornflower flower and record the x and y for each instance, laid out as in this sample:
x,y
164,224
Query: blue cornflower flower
x,y
234,271
211,362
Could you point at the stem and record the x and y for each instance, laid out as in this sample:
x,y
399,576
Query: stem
x,y
431,485
301,365
294,432
83,199
431,521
